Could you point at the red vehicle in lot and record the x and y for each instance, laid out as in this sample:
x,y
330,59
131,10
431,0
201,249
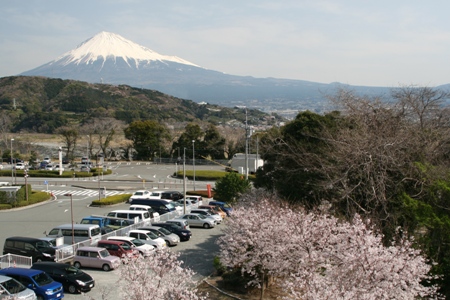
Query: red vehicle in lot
x,y
118,248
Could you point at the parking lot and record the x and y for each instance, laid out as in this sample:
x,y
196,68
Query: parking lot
x,y
35,221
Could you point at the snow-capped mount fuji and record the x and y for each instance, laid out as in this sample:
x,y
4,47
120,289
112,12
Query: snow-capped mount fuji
x,y
106,45
109,58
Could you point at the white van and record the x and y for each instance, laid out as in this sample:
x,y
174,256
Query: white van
x,y
153,214
142,216
81,233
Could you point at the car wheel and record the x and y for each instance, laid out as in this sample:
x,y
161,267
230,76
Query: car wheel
x,y
38,297
106,267
206,225
77,265
72,289
39,259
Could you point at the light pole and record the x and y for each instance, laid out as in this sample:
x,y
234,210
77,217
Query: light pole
x,y
60,160
184,180
71,216
193,159
87,152
12,166
246,145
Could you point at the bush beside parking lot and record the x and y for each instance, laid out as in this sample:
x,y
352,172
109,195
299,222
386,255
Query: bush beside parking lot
x,y
33,198
65,174
116,199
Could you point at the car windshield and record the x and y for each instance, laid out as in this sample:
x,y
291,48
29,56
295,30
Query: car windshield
x,y
137,242
103,253
201,216
12,286
138,193
164,230
170,206
152,235
72,270
43,245
42,279
125,246
157,233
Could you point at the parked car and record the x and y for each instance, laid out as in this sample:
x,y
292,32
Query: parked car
x,y
183,224
148,237
196,220
43,285
43,164
56,168
47,160
140,194
66,248
196,200
179,208
189,203
153,214
19,166
144,249
73,279
85,168
171,195
170,238
184,234
214,209
156,194
49,167
206,213
118,248
13,289
224,206
37,249
95,257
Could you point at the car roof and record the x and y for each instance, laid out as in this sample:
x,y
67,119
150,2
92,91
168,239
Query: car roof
x,y
21,271
4,278
23,239
122,238
88,248
138,231
116,242
54,265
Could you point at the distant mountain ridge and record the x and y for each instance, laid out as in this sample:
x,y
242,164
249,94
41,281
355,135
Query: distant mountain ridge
x,y
109,58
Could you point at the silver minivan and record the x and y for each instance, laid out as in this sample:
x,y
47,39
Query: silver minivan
x,y
95,257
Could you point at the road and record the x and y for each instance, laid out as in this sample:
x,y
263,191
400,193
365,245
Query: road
x,y
35,221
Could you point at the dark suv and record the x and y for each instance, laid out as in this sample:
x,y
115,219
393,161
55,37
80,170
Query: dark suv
x,y
73,280
172,195
184,234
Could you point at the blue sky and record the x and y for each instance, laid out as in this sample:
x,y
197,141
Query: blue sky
x,y
375,43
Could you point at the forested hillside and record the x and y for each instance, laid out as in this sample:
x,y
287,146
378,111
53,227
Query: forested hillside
x,y
38,104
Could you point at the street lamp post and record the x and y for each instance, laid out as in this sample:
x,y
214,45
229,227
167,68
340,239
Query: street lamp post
x,y
246,145
12,166
87,152
184,180
193,159
71,216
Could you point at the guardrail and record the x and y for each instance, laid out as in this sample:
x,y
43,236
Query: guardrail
x,y
12,260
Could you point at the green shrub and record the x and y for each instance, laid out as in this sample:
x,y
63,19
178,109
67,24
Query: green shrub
x,y
220,268
5,206
111,200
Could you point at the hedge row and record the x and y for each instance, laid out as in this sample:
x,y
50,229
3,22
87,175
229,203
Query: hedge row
x,y
116,199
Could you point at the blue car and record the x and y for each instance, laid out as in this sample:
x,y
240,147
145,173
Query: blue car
x,y
44,287
224,206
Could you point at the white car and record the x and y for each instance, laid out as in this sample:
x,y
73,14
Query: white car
x,y
149,238
19,166
56,168
140,194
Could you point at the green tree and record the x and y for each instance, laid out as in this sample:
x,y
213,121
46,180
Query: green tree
x,y
192,132
213,143
147,137
229,187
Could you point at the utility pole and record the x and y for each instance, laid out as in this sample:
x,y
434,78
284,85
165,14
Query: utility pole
x,y
246,144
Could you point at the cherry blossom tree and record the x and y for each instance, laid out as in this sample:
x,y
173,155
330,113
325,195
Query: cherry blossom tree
x,y
317,256
158,277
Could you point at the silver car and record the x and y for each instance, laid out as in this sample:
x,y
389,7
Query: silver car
x,y
171,238
197,220
206,213
12,289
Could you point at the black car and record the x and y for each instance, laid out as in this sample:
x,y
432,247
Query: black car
x,y
172,195
184,234
73,280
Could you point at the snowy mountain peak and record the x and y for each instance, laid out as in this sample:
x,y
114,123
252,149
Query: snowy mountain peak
x,y
110,45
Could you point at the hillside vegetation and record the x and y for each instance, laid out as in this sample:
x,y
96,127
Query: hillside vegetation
x,y
39,104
